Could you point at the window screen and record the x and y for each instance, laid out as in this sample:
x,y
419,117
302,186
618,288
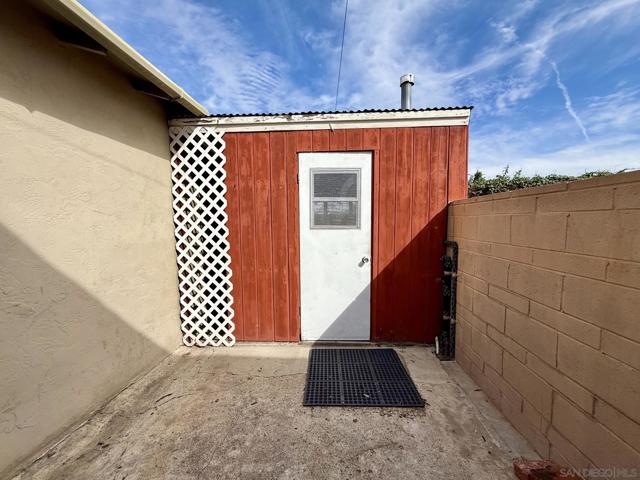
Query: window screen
x,y
335,198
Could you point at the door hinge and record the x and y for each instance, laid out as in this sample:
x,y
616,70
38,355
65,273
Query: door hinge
x,y
298,178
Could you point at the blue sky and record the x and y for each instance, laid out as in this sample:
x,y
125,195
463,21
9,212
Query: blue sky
x,y
555,85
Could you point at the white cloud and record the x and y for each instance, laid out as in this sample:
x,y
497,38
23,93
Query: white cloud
x,y
619,111
518,148
238,75
506,31
383,41
615,140
234,73
567,102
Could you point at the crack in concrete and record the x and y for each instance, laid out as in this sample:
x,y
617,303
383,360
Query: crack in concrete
x,y
156,407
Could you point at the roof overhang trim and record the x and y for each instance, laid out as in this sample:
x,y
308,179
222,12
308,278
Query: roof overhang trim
x,y
114,46
331,121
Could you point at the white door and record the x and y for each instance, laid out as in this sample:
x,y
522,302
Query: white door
x,y
335,245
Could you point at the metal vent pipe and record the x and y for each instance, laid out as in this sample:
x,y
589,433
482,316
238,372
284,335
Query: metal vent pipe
x,y
406,82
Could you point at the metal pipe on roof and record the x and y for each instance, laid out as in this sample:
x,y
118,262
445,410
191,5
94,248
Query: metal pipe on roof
x,y
406,82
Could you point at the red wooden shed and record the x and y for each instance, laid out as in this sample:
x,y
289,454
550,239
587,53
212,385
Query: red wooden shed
x,y
315,226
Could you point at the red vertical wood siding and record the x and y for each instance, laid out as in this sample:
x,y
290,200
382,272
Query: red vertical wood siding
x,y
264,250
233,212
402,301
246,292
279,230
419,249
384,270
416,172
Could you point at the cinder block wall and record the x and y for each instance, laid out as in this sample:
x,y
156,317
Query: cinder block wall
x,y
549,314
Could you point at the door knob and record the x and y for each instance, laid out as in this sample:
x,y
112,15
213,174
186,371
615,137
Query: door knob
x,y
364,260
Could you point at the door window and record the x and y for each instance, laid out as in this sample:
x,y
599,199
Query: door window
x,y
335,198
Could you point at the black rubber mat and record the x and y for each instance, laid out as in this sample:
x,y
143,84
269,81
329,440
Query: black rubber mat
x,y
359,377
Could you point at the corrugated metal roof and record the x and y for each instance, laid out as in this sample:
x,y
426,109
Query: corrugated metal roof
x,y
332,112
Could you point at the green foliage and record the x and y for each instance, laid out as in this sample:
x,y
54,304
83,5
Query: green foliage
x,y
479,185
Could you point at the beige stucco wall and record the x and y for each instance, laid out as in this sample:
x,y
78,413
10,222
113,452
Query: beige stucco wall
x,y
549,314
88,289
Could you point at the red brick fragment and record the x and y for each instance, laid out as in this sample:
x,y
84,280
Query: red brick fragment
x,y
542,470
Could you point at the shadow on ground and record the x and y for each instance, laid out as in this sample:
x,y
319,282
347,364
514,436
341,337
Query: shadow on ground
x,y
238,413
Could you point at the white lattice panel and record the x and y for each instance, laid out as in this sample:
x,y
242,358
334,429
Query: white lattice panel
x,y
204,264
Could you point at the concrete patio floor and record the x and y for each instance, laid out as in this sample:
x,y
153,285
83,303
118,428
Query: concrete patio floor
x,y
237,413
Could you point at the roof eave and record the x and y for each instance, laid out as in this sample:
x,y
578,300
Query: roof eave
x,y
332,120
116,47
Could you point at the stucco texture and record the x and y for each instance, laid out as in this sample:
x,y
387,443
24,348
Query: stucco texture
x,y
88,283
